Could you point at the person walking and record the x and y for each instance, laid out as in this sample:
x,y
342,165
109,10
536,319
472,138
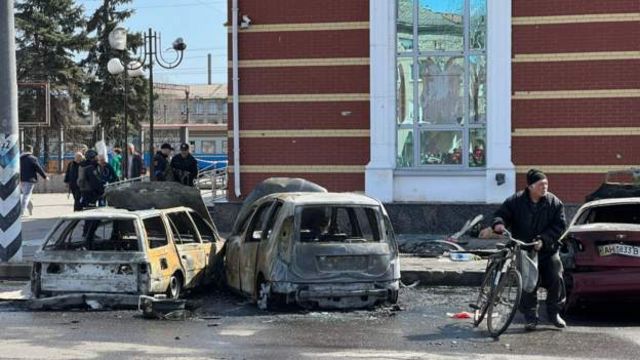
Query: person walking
x,y
71,179
161,162
536,214
30,168
116,162
184,167
135,166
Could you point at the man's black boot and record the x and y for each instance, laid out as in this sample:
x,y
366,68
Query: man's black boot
x,y
530,322
557,321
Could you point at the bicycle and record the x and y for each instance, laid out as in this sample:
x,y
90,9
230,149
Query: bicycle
x,y
501,288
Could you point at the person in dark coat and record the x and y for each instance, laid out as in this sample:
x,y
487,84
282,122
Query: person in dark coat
x,y
30,168
531,215
71,179
88,181
135,166
105,175
161,162
184,167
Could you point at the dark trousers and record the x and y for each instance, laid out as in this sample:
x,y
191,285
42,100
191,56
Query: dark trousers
x,y
77,206
550,277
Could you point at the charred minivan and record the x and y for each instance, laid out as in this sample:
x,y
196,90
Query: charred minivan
x,y
119,254
332,250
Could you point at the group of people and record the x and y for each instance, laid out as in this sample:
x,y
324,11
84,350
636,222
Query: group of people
x,y
89,173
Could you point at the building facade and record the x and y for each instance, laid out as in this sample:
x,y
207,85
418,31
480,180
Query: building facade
x,y
436,101
196,114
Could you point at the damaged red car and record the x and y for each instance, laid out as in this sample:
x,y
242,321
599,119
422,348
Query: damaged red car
x,y
602,251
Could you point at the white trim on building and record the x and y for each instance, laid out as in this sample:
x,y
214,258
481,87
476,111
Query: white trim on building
x,y
382,179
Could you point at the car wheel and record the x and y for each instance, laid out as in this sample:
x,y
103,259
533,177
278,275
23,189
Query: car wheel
x,y
174,290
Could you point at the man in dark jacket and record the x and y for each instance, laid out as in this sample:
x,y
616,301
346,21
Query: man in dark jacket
x,y
536,214
30,168
71,179
161,162
135,167
105,174
184,166
88,181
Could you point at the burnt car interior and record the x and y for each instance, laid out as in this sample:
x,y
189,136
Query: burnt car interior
x,y
615,214
345,224
95,235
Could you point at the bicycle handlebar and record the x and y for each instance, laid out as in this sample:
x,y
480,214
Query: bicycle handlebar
x,y
521,244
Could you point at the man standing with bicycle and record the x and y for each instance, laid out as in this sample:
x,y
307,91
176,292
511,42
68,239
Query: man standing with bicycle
x,y
535,214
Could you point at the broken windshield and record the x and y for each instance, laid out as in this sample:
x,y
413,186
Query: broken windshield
x,y
617,214
95,235
339,223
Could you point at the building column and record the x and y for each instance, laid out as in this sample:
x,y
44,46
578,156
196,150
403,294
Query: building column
x,y
499,165
379,171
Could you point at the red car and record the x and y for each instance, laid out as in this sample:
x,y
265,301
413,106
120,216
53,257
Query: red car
x,y
602,252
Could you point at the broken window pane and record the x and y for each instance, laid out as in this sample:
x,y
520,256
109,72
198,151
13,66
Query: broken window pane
x,y
206,232
618,214
183,228
156,232
349,224
95,235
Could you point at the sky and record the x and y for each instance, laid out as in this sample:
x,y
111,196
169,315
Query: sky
x,y
198,22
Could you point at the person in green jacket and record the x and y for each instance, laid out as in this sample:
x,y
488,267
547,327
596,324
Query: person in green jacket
x,y
116,162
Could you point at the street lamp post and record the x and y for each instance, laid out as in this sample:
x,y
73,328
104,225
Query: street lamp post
x,y
151,55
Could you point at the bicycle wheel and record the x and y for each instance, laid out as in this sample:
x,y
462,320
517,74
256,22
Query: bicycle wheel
x,y
482,302
504,302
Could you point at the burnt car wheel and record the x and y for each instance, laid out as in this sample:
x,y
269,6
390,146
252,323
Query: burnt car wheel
x,y
174,289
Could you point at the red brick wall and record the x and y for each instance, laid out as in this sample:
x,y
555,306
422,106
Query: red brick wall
x,y
602,112
302,80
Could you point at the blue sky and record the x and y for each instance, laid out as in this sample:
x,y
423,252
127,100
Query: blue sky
x,y
198,22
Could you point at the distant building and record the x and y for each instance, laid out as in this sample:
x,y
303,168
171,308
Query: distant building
x,y
196,114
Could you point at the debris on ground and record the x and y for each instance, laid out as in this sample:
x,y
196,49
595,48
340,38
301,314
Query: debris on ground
x,y
163,309
460,315
83,301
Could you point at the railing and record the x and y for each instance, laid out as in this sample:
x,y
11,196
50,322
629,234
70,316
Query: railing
x,y
125,182
213,182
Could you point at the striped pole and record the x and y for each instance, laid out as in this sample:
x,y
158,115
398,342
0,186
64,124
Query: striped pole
x,y
10,210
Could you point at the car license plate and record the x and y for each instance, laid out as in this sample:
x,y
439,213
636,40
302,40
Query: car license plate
x,y
619,249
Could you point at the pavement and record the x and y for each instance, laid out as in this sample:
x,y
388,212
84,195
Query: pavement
x,y
428,271
226,326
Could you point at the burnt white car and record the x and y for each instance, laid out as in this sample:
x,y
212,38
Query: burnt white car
x,y
332,250
113,255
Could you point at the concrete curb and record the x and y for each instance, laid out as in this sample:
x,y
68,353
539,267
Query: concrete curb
x,y
20,271
442,277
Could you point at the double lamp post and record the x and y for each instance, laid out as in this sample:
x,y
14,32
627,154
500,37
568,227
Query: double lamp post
x,y
134,68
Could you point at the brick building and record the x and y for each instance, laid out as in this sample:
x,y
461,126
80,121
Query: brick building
x,y
435,101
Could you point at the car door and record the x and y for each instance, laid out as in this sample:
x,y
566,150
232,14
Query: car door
x,y
189,246
249,248
208,237
162,257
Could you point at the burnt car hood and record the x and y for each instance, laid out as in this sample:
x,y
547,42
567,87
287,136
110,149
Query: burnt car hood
x,y
273,186
157,195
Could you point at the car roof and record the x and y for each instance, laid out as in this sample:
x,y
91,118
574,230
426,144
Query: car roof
x,y
111,212
612,201
321,198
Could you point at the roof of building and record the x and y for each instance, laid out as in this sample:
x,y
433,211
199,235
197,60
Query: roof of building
x,y
213,91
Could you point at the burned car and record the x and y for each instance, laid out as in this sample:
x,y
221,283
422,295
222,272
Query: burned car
x,y
116,254
333,250
602,251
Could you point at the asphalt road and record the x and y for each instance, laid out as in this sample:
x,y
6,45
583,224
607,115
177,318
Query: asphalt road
x,y
227,327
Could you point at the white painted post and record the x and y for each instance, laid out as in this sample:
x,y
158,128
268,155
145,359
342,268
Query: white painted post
x,y
10,209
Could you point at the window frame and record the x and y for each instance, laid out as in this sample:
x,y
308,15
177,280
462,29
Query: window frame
x,y
416,127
